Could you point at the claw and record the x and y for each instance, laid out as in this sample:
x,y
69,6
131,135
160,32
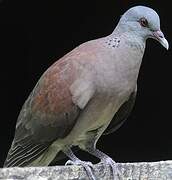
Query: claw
x,y
69,162
87,166
114,167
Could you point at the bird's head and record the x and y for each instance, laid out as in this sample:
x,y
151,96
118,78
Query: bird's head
x,y
144,22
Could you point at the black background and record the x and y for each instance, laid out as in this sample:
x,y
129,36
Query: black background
x,y
34,34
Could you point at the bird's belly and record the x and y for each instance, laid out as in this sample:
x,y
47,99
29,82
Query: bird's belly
x,y
97,115
102,116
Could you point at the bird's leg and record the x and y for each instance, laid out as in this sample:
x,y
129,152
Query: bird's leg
x,y
76,161
105,159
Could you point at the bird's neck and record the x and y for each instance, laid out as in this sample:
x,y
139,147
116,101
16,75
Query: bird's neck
x,y
133,48
132,39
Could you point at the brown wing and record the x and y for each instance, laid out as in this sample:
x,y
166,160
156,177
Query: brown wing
x,y
51,110
48,114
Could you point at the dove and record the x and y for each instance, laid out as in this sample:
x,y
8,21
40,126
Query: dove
x,y
88,92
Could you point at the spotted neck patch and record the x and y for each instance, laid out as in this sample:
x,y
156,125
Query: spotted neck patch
x,y
113,42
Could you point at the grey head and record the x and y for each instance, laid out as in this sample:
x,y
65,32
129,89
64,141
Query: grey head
x,y
143,22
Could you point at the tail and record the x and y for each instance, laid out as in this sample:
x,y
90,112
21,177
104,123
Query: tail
x,y
47,157
31,155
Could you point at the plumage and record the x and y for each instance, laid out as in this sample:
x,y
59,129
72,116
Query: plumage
x,y
77,97
122,114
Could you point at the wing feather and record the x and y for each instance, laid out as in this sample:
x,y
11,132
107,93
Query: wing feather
x,y
20,156
49,113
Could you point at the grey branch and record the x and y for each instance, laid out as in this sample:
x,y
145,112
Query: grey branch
x,y
161,170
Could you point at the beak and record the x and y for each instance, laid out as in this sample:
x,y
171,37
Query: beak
x,y
159,36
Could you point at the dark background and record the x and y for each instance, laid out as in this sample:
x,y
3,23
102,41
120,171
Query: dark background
x,y
34,34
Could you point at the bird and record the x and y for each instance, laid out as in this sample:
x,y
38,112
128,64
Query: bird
x,y
88,92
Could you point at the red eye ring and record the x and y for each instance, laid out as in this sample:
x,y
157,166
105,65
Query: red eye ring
x,y
143,22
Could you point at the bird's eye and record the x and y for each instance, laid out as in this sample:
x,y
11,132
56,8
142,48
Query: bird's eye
x,y
143,22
